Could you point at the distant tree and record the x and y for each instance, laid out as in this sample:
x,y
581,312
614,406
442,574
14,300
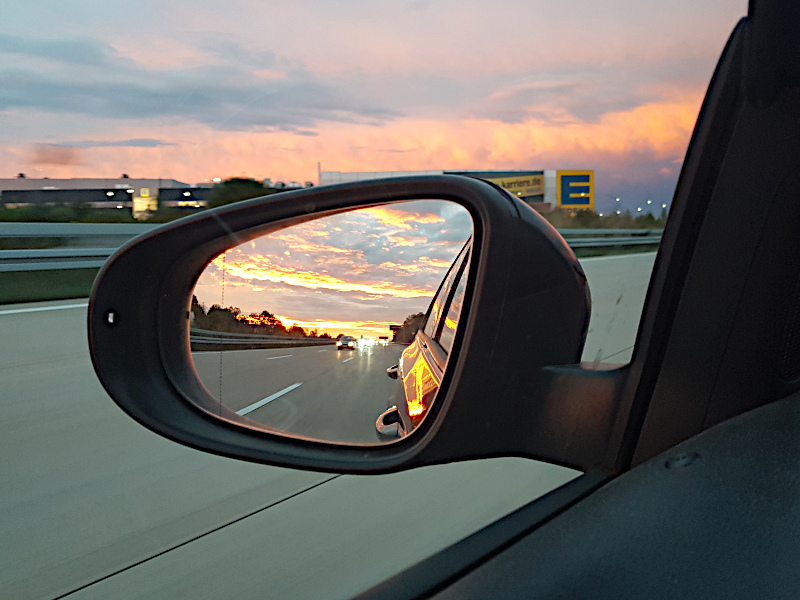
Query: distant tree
x,y
198,312
223,319
409,328
297,331
236,189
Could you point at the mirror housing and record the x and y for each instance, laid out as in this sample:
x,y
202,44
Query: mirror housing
x,y
526,309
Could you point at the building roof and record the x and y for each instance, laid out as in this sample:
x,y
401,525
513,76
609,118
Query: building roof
x,y
22,184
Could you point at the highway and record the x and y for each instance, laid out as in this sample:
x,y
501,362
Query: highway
x,y
95,506
318,391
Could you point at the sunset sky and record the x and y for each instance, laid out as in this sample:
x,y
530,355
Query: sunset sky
x,y
197,90
354,273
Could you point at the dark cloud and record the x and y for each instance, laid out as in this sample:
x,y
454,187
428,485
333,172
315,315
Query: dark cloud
x,y
47,154
224,93
79,51
230,91
133,143
583,97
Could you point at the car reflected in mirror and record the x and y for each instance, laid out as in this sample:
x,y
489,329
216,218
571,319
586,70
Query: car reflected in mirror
x,y
423,362
295,330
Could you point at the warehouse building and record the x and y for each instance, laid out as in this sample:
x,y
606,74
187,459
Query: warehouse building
x,y
543,190
140,196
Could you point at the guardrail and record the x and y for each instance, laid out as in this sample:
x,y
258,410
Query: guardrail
x,y
205,340
88,245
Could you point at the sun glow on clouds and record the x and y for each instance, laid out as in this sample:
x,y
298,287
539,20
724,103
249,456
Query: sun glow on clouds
x,y
355,272
261,268
371,329
661,129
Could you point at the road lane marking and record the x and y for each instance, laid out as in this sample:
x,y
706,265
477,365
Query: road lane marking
x,y
346,359
281,356
322,350
268,399
16,311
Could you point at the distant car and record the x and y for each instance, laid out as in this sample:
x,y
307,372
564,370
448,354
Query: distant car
x,y
383,340
346,343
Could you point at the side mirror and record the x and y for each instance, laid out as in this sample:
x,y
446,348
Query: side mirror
x,y
483,387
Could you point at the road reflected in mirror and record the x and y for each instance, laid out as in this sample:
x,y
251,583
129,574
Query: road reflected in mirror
x,y
319,330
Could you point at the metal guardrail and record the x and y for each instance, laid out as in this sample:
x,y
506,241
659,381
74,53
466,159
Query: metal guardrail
x,y
202,339
88,245
54,259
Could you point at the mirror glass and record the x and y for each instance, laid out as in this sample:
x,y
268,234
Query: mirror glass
x,y
319,330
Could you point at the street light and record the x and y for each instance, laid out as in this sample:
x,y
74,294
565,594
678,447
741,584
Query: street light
x,y
639,209
663,206
617,199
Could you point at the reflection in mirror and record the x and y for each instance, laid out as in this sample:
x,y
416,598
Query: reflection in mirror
x,y
318,330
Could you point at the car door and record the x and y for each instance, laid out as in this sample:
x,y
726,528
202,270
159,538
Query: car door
x,y
423,362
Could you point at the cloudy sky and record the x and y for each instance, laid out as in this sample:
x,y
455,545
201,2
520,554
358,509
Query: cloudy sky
x,y
196,90
353,273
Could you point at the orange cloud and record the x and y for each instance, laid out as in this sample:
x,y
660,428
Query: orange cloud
x,y
260,268
399,218
660,128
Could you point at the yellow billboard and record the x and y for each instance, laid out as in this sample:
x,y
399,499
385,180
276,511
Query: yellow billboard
x,y
521,185
575,189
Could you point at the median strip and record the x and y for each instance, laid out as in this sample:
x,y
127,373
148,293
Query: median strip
x,y
268,399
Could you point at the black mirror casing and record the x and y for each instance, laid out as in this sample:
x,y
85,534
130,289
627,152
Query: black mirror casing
x,y
526,308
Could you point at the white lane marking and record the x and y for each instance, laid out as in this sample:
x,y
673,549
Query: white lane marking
x,y
268,399
16,311
321,350
346,359
281,356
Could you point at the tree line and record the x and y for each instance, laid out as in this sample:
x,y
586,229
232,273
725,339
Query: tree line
x,y
231,320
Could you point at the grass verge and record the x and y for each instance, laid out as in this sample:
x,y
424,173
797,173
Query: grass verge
x,y
33,286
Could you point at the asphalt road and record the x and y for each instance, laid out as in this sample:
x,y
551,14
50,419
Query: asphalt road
x,y
95,506
318,392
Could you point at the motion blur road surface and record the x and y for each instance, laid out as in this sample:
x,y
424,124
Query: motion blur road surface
x,y
317,391
95,506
